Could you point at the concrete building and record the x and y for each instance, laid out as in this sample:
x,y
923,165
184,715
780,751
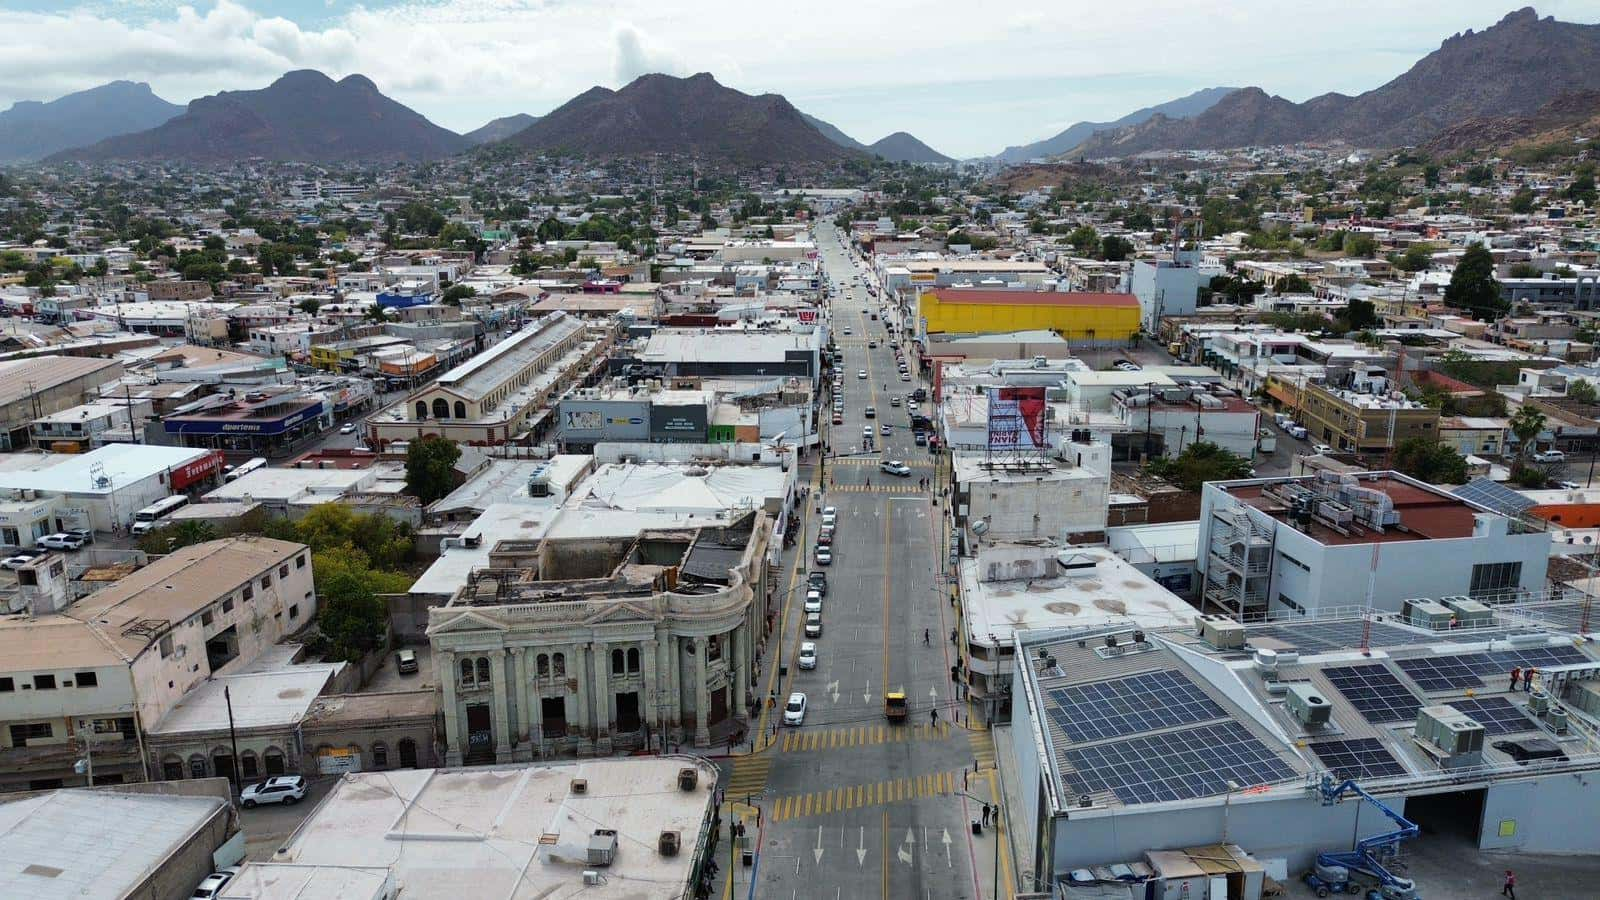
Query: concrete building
x,y
1363,423
1085,319
1174,418
1166,287
612,631
1127,742
1295,547
505,394
672,353
99,490
44,385
110,666
1033,499
67,845
518,832
87,426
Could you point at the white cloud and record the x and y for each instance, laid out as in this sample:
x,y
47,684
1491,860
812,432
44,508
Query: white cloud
x,y
964,80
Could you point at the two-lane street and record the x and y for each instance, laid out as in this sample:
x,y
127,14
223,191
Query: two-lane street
x,y
852,804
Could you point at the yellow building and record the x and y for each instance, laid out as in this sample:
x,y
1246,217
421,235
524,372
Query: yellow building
x,y
1101,318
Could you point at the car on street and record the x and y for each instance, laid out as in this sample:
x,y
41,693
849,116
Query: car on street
x,y
813,602
818,581
838,419
794,712
814,625
1321,449
905,376
347,428
870,412
825,537
285,789
1549,456
886,429
895,467
872,345
1125,365
920,438
824,556
861,374
808,655
20,558
405,661
1569,485
830,514
212,885
894,401
61,540
847,330
86,534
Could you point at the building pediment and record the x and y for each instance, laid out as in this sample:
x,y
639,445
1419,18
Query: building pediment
x,y
615,613
466,621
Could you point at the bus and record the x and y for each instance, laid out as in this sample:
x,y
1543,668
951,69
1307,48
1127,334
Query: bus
x,y
244,468
148,519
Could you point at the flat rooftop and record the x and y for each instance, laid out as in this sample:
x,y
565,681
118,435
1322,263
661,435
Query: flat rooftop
x,y
72,844
98,472
20,377
1425,514
278,698
490,369
516,832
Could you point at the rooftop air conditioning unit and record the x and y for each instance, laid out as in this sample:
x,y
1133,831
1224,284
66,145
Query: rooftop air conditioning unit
x,y
1538,703
1556,718
1425,613
1449,729
688,778
1307,705
603,847
1220,632
592,878
669,843
580,785
1469,612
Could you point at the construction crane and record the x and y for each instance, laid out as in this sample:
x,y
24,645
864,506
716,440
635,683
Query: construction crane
x,y
1332,871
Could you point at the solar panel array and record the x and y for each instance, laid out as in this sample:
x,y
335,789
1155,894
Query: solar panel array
x,y
1358,758
1145,702
1177,765
1495,496
1468,670
1313,637
1497,715
1374,692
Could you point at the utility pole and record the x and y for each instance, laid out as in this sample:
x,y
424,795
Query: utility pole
x,y
85,766
233,738
127,400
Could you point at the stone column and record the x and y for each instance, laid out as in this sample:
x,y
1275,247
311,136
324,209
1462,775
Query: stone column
x,y
674,685
578,672
652,687
525,712
499,716
445,671
738,667
602,696
702,697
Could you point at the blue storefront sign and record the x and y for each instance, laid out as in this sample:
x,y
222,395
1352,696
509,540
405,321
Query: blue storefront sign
x,y
225,426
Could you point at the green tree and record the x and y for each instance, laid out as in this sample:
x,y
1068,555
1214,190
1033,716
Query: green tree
x,y
1526,424
1359,314
1084,239
310,305
1115,249
1521,202
351,616
1428,460
1293,284
429,462
177,536
1582,391
1473,286
1199,463
1523,270
1417,258
1361,246
456,293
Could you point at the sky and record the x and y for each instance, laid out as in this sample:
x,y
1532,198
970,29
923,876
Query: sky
x,y
966,78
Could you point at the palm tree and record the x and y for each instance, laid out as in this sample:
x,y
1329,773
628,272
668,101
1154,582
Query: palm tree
x,y
1526,425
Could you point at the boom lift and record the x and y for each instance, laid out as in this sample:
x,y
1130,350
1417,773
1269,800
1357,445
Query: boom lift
x,y
1333,868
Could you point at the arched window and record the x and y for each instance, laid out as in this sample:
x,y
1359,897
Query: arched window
x,y
466,671
171,768
380,756
441,408
616,662
461,410
422,409
273,760
197,766
483,670
558,664
249,766
542,664
633,661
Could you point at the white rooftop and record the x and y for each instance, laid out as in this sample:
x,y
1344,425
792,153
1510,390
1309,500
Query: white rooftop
x,y
1107,590
672,488
274,698
1163,542
523,520
514,832
76,473
76,844
282,485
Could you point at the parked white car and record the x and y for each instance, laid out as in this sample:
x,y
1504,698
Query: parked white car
x,y
285,789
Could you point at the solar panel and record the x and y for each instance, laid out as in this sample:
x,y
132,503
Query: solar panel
x,y
1374,692
1358,758
1468,670
1178,765
1497,715
1124,706
1313,637
1495,496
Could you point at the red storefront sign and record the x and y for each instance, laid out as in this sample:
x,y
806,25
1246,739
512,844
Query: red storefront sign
x,y
200,469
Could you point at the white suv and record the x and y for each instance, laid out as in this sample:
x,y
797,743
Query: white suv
x,y
285,789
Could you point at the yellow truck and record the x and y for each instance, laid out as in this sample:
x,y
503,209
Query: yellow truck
x,y
894,706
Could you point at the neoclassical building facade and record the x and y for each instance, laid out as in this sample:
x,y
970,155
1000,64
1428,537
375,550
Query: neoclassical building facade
x,y
602,644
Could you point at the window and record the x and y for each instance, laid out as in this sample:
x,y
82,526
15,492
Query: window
x,y
633,661
86,679
541,665
441,408
7,685
300,561
44,682
166,646
283,571
1291,604
483,670
466,671
380,756
206,618
294,611
1494,578
461,410
422,409
617,657
1294,562
227,605
34,731
266,582
558,664
249,592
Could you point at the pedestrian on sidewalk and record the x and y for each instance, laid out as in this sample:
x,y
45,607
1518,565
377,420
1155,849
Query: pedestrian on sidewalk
x,y
1509,889
925,637
986,815
933,717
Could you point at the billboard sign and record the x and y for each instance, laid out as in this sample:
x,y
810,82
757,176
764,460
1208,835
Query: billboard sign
x,y
1016,418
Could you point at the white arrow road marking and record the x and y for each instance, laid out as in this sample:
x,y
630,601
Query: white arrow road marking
x,y
817,853
833,688
905,855
911,836
934,693
867,696
861,848
949,864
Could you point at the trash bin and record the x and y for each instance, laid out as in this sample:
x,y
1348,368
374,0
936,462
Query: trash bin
x,y
977,827
749,857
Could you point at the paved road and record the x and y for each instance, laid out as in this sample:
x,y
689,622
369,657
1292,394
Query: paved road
x,y
851,805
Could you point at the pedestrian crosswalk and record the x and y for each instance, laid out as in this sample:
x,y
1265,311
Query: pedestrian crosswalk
x,y
901,488
861,736
873,462
749,776
877,793
982,742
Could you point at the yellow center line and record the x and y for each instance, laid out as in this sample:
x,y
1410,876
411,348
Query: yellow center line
x,y
888,553
1009,884
886,855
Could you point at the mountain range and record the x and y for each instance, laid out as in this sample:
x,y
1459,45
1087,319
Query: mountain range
x,y
500,129
692,116
32,130
1181,108
897,147
304,115
1512,68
